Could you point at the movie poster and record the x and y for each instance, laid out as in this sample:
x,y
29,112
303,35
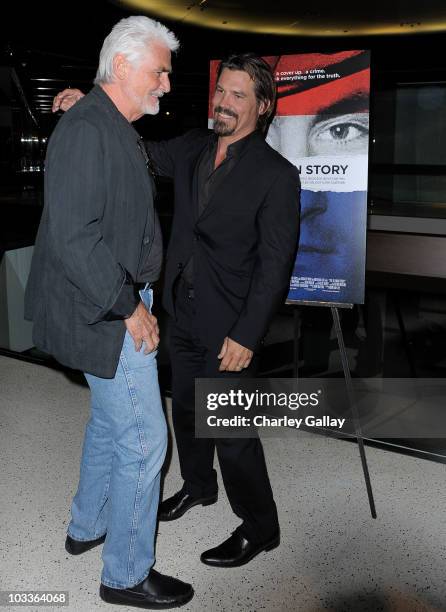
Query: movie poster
x,y
322,126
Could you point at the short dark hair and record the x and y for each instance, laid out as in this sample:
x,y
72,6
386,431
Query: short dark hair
x,y
263,77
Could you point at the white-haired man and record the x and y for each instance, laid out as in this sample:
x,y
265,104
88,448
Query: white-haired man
x,y
97,250
231,251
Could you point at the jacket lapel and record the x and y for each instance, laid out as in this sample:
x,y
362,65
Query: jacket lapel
x,y
195,162
128,137
136,155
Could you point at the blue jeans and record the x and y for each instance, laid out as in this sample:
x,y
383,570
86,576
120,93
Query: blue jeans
x,y
124,449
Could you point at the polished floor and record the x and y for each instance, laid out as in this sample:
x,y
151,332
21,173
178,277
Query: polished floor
x,y
333,555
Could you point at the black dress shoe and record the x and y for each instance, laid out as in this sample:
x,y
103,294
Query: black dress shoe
x,y
237,550
174,507
155,593
76,547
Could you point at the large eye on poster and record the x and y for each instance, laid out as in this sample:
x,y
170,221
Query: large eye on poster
x,y
322,126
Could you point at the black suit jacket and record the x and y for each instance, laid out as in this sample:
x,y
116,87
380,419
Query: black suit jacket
x,y
96,234
243,244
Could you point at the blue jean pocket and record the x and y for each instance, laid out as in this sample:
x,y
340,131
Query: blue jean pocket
x,y
146,296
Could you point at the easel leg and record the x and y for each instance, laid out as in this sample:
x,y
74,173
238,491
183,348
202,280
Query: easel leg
x,y
351,399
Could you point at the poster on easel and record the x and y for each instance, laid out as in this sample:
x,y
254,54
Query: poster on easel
x,y
322,126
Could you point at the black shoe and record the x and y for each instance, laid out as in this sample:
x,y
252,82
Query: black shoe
x,y
237,550
76,547
174,507
155,593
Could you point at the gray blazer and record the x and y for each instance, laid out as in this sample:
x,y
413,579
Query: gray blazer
x,y
95,240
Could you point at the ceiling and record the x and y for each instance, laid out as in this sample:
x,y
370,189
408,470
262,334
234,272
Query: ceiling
x,y
49,51
288,17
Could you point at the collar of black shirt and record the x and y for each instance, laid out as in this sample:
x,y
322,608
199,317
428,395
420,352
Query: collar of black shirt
x,y
236,148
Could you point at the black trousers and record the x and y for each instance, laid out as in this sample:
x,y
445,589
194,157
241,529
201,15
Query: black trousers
x,y
242,461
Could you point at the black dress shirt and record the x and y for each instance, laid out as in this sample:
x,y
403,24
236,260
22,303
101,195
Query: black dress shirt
x,y
210,179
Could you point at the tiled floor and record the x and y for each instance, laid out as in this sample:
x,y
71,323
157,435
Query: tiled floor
x,y
333,555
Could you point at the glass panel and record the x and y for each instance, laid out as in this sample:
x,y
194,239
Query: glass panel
x,y
420,125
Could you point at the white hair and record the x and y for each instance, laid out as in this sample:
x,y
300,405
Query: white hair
x,y
131,37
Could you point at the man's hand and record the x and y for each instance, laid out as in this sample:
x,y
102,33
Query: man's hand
x,y
66,99
143,327
234,357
